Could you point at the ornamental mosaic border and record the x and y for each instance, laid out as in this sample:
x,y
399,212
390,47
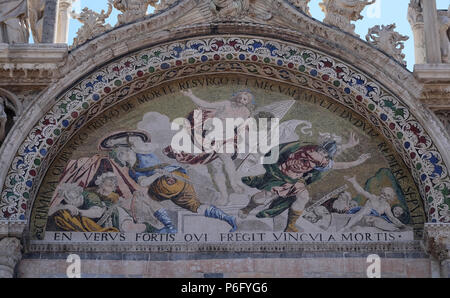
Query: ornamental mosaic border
x,y
264,57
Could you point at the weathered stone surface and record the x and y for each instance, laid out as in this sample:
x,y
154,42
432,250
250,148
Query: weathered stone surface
x,y
235,268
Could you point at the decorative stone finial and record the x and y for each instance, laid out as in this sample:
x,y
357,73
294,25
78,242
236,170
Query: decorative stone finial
x,y
93,24
340,13
388,40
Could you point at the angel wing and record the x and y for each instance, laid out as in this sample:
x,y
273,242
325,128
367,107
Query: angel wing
x,y
288,129
279,109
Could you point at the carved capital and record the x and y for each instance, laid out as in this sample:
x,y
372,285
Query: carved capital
x,y
437,240
10,255
415,13
65,4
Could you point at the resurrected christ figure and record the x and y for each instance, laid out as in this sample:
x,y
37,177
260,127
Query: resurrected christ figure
x,y
240,106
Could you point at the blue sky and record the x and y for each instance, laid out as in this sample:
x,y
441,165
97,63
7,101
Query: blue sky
x,y
383,12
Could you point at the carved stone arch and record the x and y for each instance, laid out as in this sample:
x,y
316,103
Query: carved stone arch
x,y
376,89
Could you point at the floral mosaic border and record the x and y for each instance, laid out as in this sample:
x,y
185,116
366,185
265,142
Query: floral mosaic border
x,y
263,57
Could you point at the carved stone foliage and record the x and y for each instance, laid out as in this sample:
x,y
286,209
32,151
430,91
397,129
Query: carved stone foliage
x,y
388,40
132,10
444,34
340,13
437,249
302,5
93,24
437,240
10,255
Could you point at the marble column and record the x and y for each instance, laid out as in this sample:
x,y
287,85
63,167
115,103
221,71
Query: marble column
x,y
50,21
62,32
415,18
432,40
10,255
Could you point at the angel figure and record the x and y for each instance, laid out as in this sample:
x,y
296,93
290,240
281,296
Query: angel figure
x,y
240,106
285,182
